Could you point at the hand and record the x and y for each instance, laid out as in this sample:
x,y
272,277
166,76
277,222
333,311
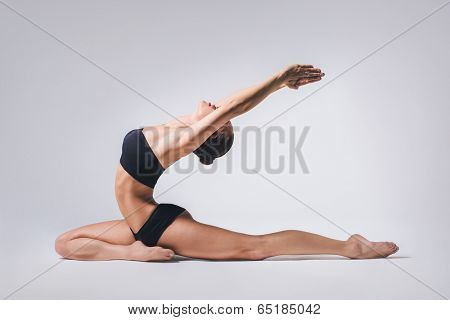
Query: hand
x,y
298,75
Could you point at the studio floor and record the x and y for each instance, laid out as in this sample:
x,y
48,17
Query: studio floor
x,y
283,277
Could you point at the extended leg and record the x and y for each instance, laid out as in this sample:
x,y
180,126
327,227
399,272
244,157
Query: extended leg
x,y
193,239
300,242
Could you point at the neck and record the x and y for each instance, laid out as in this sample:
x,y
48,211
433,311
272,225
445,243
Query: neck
x,y
182,121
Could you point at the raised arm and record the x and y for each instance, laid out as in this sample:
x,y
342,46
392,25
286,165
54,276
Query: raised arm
x,y
292,77
246,99
243,101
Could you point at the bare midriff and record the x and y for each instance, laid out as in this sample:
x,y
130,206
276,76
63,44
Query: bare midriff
x,y
135,200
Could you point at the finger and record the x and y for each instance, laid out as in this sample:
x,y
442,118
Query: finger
x,y
309,78
313,80
302,82
306,66
317,75
306,77
314,70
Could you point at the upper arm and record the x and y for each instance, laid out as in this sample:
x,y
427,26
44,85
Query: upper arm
x,y
198,132
230,107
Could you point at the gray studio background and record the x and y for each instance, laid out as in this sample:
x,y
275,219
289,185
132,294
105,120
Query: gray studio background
x,y
377,148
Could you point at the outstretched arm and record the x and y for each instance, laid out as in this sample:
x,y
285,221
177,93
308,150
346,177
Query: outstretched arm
x,y
246,99
293,77
243,101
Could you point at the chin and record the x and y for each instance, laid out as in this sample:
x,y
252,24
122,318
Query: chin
x,y
202,111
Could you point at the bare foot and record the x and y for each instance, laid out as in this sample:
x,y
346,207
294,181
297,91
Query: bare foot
x,y
140,252
361,248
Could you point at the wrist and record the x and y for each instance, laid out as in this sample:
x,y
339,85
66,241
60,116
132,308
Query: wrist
x,y
279,80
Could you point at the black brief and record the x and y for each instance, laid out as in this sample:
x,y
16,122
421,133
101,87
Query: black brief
x,y
159,221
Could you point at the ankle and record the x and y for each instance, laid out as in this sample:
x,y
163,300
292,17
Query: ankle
x,y
352,249
126,252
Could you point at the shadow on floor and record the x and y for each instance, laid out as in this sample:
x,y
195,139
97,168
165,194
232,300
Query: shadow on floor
x,y
280,258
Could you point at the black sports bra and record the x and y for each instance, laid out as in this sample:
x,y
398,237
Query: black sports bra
x,y
139,160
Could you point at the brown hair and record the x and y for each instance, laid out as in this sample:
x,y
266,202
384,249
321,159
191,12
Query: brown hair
x,y
214,147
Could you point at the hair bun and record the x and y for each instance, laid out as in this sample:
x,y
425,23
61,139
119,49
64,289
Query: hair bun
x,y
206,159
214,147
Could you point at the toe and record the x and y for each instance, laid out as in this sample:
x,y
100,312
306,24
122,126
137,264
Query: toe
x,y
394,249
169,253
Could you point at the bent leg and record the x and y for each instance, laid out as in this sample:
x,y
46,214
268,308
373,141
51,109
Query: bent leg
x,y
190,238
110,240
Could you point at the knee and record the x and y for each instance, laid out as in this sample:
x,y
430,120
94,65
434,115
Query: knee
x,y
61,244
256,248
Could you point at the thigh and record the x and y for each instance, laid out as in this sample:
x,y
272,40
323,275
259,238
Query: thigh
x,y
187,237
114,232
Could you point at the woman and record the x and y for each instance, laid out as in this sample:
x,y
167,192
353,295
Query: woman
x,y
155,232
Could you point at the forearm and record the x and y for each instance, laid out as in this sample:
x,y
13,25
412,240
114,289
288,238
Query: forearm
x,y
293,76
246,99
